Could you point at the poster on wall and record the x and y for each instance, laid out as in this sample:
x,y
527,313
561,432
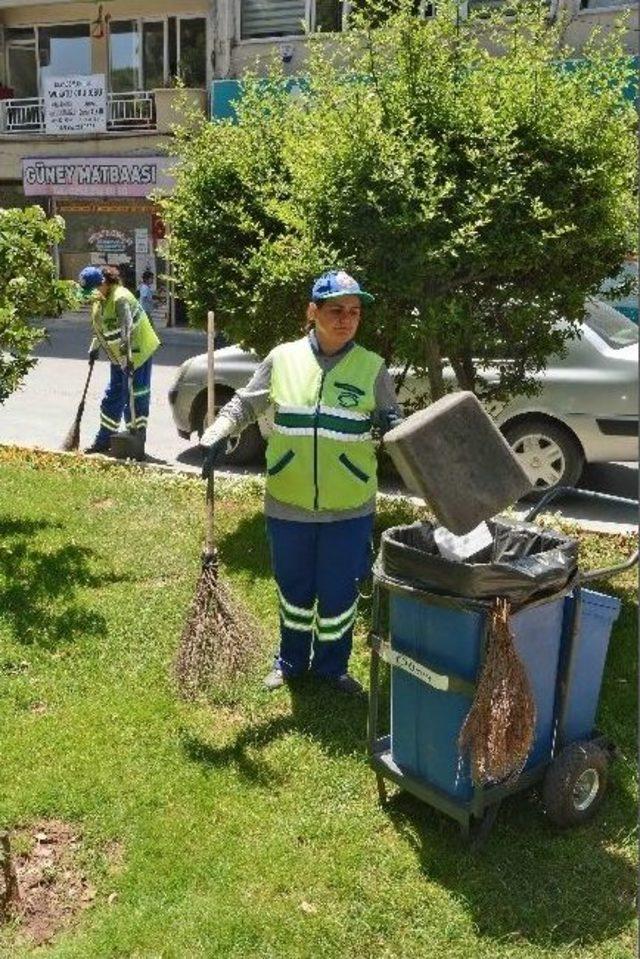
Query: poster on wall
x,y
145,259
142,241
115,249
75,104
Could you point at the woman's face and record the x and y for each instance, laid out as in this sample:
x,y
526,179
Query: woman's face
x,y
336,321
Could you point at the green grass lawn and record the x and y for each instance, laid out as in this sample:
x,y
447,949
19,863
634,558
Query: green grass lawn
x,y
252,828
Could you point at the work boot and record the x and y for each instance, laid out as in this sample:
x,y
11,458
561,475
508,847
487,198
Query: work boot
x,y
274,680
344,684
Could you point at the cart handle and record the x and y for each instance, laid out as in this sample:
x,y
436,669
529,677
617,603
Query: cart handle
x,y
592,495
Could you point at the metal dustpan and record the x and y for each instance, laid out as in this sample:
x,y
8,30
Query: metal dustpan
x,y
128,444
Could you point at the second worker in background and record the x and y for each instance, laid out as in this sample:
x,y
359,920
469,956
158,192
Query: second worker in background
x,y
123,329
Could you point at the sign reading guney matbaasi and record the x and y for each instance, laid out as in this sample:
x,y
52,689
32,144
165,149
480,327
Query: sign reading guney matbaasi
x,y
95,176
75,104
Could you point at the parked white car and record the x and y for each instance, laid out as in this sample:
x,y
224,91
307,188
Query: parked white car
x,y
585,412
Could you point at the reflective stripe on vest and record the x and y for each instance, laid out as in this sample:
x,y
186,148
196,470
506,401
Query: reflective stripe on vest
x,y
321,454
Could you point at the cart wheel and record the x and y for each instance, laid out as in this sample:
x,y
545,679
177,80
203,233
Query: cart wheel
x,y
575,783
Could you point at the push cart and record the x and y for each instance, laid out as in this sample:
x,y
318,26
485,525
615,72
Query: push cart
x,y
435,645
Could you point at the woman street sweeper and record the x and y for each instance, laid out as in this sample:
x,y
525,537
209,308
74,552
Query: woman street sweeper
x,y
328,394
124,330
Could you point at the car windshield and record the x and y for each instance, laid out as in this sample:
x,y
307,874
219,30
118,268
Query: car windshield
x,y
614,328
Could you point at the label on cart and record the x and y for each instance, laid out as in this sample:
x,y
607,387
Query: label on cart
x,y
401,661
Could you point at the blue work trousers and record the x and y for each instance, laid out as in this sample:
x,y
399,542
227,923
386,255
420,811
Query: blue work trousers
x,y
115,402
317,568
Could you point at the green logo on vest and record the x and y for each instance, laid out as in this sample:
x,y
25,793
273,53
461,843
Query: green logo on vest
x,y
349,395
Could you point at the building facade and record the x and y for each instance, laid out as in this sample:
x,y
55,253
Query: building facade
x,y
88,98
87,101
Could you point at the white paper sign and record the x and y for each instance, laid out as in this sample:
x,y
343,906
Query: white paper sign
x,y
75,104
142,241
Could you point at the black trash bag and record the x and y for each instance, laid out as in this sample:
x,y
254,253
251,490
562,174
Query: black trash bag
x,y
523,563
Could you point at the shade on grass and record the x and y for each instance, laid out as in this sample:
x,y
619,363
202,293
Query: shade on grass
x,y
251,828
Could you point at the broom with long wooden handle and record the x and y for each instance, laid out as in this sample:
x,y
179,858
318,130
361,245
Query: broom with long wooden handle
x,y
219,637
72,439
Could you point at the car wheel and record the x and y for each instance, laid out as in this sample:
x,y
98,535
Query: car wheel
x,y
549,454
243,449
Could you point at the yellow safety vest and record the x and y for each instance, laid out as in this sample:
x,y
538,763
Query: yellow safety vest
x,y
321,455
106,326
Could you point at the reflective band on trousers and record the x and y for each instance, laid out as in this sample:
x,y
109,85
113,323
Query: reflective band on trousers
x,y
296,617
327,628
334,627
108,423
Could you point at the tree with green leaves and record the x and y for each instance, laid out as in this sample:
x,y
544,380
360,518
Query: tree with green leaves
x,y
28,288
462,170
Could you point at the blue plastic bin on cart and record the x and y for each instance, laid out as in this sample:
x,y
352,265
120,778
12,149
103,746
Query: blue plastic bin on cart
x,y
426,721
585,669
429,623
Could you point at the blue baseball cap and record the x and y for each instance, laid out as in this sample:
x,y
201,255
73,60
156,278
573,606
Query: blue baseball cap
x,y
338,283
90,279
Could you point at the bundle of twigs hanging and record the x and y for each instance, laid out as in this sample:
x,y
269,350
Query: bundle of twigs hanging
x,y
498,732
219,638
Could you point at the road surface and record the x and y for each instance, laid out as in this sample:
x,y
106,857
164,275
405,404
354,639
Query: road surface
x,y
40,413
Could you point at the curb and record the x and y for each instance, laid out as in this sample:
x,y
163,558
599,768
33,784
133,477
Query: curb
x,y
170,470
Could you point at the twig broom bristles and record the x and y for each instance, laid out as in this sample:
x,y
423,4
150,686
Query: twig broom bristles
x,y
72,439
219,637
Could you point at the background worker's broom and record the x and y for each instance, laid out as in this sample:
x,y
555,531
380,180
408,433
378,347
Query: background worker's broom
x,y
72,439
219,637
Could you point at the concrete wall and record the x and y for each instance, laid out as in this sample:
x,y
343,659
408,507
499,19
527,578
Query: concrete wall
x,y
254,54
584,22
14,148
232,56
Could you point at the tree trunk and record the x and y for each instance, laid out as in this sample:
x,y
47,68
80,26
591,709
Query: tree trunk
x,y
433,363
464,368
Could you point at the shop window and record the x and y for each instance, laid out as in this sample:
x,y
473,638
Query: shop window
x,y
22,66
124,56
64,50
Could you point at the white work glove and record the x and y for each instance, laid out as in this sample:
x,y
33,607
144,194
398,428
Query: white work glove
x,y
220,429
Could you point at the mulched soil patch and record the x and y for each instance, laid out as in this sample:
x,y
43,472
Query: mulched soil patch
x,y
53,888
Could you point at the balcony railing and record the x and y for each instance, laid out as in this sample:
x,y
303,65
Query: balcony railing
x,y
131,111
125,111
